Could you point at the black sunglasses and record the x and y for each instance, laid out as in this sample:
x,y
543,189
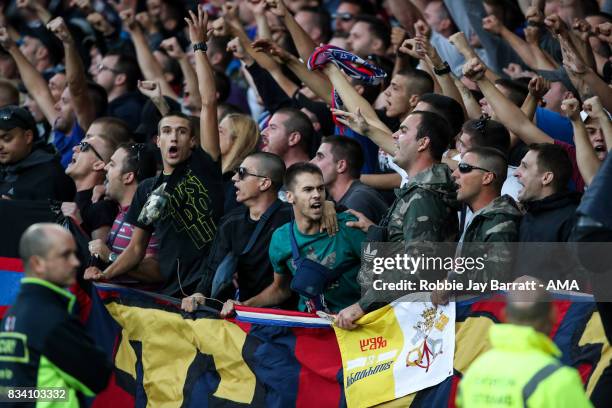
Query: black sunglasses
x,y
243,172
465,168
85,146
343,16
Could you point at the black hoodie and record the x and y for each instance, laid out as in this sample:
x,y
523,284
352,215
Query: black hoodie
x,y
550,219
39,176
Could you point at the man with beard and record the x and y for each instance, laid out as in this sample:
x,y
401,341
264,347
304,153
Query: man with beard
x,y
340,253
181,205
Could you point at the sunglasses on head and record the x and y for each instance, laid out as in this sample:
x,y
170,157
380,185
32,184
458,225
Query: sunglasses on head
x,y
343,16
243,172
465,168
481,124
85,146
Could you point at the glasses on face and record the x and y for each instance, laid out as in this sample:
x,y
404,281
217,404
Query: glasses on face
x,y
243,172
465,168
85,146
101,67
343,16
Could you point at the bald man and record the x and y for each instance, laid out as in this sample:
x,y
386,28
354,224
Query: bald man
x,y
42,343
522,369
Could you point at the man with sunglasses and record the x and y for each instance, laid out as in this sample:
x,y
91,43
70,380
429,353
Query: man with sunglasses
x,y
128,166
29,169
86,168
257,182
496,218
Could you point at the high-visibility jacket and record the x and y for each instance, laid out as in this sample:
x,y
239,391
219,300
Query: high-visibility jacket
x,y
521,370
44,346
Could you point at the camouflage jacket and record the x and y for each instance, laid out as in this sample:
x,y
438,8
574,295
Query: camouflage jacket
x,y
424,213
491,229
425,209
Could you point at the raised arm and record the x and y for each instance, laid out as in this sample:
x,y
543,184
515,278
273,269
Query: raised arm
x,y
316,81
462,45
150,67
34,82
258,7
174,50
507,113
152,90
304,44
41,12
75,75
209,125
494,26
586,158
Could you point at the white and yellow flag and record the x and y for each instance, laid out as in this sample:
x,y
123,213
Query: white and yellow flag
x,y
397,350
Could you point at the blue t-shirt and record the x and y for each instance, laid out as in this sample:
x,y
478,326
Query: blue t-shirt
x,y
555,125
64,143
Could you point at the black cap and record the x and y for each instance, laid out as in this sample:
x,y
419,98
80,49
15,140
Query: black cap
x,y
49,40
13,116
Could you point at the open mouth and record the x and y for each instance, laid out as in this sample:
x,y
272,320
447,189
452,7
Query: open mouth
x,y
173,152
600,148
316,206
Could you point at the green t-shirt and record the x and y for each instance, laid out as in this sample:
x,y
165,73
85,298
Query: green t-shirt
x,y
342,249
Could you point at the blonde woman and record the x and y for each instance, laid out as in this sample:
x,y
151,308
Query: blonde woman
x,y
238,137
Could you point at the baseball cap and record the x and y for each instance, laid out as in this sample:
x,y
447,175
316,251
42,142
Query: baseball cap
x,y
13,116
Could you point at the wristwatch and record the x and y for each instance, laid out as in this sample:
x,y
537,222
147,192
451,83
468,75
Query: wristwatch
x,y
112,257
201,46
445,69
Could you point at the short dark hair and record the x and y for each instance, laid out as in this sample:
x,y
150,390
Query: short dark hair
x,y
555,159
487,132
419,81
437,129
141,159
116,132
378,28
99,98
298,168
271,166
345,148
178,114
127,65
297,121
517,91
494,161
447,107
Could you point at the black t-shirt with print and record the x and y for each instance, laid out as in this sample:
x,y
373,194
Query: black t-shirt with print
x,y
188,224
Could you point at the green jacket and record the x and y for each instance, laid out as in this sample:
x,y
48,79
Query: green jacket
x,y
425,209
521,370
423,215
490,231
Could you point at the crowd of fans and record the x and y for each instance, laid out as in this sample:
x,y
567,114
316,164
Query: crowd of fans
x,y
233,150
